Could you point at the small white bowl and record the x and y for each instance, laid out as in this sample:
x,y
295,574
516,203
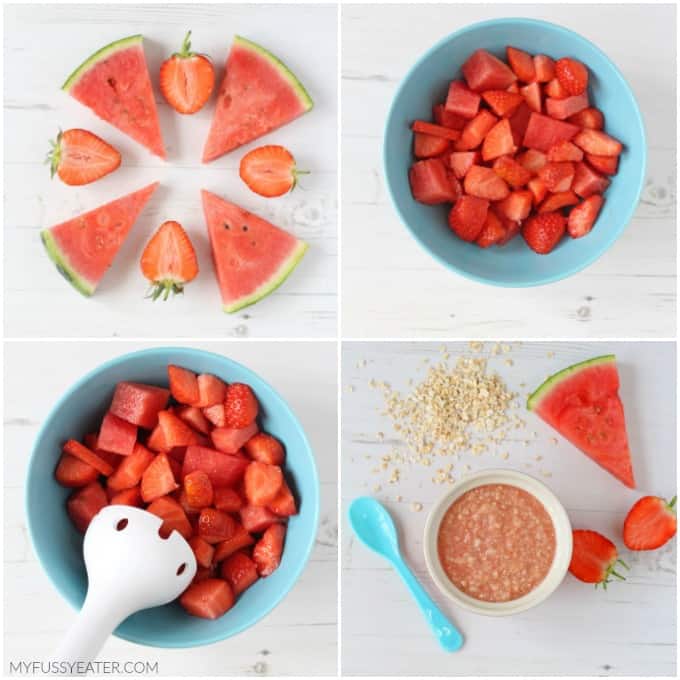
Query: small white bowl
x,y
563,542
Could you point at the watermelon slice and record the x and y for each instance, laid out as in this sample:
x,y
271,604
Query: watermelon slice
x,y
582,403
84,247
252,257
258,94
114,82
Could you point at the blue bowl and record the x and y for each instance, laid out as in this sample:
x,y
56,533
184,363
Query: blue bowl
x,y
513,265
59,546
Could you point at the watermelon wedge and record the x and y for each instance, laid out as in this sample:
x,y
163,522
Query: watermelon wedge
x,y
114,82
252,257
258,94
84,247
582,403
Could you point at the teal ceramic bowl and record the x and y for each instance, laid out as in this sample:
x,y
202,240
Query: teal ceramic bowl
x,y
513,265
59,546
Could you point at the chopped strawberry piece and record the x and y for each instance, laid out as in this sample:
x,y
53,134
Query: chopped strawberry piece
x,y
543,232
555,90
256,519
239,571
430,182
73,472
183,385
522,64
266,449
508,169
557,201
512,229
589,118
83,504
77,450
564,108
514,88
538,189
208,599
131,497
241,539
545,68
190,511
117,435
572,75
483,71
198,489
588,182
498,141
216,415
158,479
519,122
156,440
517,205
492,233
447,119
461,101
474,132
131,468
565,151
215,526
502,102
203,551
462,161
557,176
194,418
211,390
139,404
175,431
240,406
583,216
467,216
607,165
284,501
262,483
532,96
532,160
482,182
222,468
267,551
598,143
227,499
203,574
543,132
427,146
230,439
435,130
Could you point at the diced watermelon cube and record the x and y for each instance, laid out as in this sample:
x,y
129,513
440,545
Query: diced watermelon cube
x,y
483,71
209,598
239,571
256,519
230,439
430,182
139,404
228,499
215,526
446,118
543,132
461,101
117,435
563,108
85,503
588,182
223,469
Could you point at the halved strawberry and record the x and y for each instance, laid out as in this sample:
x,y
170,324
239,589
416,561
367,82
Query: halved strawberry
x,y
588,182
270,171
607,165
117,435
482,182
435,130
194,418
583,216
545,68
558,200
590,118
203,551
532,96
169,261
557,176
211,390
80,157
132,497
572,75
256,519
239,571
598,143
198,489
76,449
467,216
462,161
427,146
240,406
173,516
73,472
227,499
522,64
158,479
262,483
650,523
502,102
474,132
594,558
239,540
222,468
215,526
265,449
498,141
492,233
284,502
517,206
565,151
508,169
543,232
267,551
131,468
83,504
461,100
187,79
208,598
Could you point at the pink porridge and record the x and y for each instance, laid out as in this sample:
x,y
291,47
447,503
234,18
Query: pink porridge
x,y
496,542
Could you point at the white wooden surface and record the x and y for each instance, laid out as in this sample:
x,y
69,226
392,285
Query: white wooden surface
x,y
628,630
391,287
43,44
298,637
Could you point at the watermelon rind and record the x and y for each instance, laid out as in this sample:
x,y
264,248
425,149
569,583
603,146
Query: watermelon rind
x,y
299,88
63,266
100,54
545,388
272,283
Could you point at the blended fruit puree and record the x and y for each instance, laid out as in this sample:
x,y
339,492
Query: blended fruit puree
x,y
496,542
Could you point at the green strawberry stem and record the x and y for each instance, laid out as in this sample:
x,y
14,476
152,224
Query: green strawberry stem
x,y
185,51
54,154
296,173
164,288
611,571
671,504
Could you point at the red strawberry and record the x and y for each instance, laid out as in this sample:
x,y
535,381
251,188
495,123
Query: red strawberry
x,y
649,524
558,201
435,130
561,109
270,171
208,598
198,489
427,146
267,551
483,182
265,448
555,90
169,261
590,118
227,499
532,96
607,165
517,205
173,516
211,390
583,216
256,519
522,64
158,479
76,449
80,157
262,483
175,431
498,141
467,217
241,539
492,232
183,385
187,79
462,161
240,406
598,143
284,502
215,526
572,75
533,160
538,189
239,571
565,151
130,469
131,497
194,418
203,551
588,182
72,472
543,232
508,169
557,176
545,68
502,102
215,414
594,558
83,504
446,118
474,132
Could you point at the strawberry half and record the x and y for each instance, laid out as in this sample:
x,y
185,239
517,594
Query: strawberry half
x,y
271,171
544,231
650,523
169,261
572,75
187,79
594,558
80,157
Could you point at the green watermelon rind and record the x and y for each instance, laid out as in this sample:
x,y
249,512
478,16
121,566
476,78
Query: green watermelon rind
x,y
98,56
63,266
553,381
271,284
302,94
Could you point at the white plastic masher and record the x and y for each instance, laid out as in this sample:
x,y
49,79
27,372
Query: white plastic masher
x,y
130,566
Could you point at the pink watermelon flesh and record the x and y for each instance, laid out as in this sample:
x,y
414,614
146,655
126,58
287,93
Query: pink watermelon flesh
x,y
258,95
582,403
117,435
483,72
563,108
115,84
230,439
252,257
84,247
139,404
461,100
544,132
223,469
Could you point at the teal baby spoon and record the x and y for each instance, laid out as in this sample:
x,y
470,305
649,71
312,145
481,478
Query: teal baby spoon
x,y
374,527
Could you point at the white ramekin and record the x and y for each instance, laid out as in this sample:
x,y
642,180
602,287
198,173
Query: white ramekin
x,y
563,540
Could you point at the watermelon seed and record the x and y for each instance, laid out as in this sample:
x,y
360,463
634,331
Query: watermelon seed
x,y
245,227
226,225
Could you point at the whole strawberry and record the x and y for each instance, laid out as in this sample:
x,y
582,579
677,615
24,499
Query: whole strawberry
x,y
543,232
594,558
650,523
240,406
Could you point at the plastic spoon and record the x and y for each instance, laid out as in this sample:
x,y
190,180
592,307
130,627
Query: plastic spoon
x,y
129,567
374,527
